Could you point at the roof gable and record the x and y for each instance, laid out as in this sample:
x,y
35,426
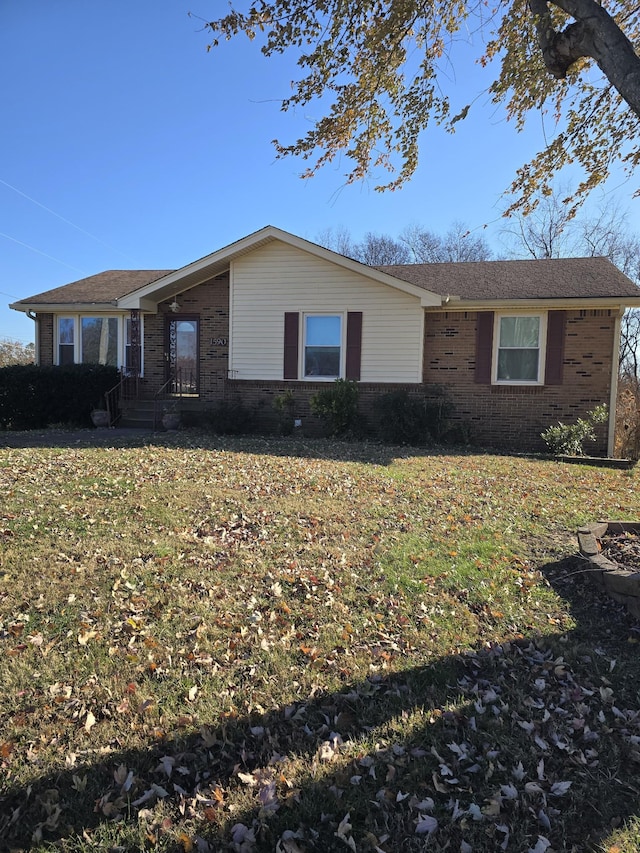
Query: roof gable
x,y
212,265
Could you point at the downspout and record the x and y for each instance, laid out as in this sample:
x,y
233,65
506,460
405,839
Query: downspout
x,y
36,335
615,370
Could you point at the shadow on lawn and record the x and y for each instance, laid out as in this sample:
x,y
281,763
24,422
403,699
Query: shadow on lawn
x,y
290,446
469,732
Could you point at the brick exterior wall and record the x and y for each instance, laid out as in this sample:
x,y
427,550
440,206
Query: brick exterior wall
x,y
44,332
512,416
260,397
210,303
501,416
491,415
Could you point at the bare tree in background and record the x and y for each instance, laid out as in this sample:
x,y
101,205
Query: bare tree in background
x,y
337,239
457,245
415,245
15,352
546,232
379,250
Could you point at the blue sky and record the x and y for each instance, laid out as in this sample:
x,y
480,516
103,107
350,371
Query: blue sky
x,y
126,144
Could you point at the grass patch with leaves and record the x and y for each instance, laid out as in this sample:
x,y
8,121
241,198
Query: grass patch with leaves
x,y
238,644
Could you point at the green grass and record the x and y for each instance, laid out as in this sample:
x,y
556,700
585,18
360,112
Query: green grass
x,y
236,643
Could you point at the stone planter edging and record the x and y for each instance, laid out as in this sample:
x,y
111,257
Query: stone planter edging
x,y
599,461
621,584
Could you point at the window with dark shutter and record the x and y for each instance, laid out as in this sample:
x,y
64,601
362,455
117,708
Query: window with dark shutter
x,y
556,328
354,345
291,334
484,347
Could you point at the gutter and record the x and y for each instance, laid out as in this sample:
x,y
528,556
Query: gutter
x,y
614,303
615,371
30,308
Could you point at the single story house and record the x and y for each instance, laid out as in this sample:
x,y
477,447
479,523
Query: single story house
x,y
518,344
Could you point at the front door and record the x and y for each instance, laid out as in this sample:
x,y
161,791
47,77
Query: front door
x,y
182,355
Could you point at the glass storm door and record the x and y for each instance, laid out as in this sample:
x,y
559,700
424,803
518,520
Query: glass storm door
x,y
182,355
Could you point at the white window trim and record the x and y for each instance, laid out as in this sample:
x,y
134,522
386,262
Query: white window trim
x,y
74,319
542,347
77,336
343,345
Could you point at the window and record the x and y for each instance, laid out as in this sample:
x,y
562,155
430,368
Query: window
x,y
331,346
66,340
90,340
520,341
322,346
99,340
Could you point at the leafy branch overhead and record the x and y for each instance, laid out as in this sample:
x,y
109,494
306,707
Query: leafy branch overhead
x,y
381,72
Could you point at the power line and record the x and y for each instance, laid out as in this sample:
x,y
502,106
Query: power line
x,y
11,339
40,252
63,219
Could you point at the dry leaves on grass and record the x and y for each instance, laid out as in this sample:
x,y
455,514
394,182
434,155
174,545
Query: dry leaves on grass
x,y
224,649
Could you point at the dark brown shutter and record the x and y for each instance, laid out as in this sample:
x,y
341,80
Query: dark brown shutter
x,y
354,345
291,334
556,327
484,347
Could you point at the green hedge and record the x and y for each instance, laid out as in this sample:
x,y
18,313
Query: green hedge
x,y
34,397
418,418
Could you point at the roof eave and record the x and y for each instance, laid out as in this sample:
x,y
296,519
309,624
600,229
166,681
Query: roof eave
x,y
59,307
562,302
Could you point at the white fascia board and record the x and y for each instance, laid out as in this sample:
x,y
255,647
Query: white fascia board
x,y
602,303
66,307
199,271
196,272
149,306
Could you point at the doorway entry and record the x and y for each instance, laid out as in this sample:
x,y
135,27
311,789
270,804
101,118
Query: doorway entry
x,y
182,355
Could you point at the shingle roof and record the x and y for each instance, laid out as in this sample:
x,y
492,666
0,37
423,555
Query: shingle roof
x,y
555,278
102,288
559,278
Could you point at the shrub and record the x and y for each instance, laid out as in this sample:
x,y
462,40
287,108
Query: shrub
x,y
568,439
284,406
230,417
33,397
628,421
404,418
337,406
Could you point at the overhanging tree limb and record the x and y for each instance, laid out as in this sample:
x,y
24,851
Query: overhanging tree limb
x,y
385,66
593,35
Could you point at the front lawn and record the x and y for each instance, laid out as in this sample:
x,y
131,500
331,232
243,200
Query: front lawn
x,y
235,644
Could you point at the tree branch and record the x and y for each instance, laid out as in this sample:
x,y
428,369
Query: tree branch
x,y
560,49
593,35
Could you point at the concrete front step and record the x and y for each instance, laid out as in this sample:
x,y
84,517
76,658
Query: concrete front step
x,y
138,422
141,413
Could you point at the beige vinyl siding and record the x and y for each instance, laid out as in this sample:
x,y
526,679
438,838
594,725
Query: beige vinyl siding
x,y
278,278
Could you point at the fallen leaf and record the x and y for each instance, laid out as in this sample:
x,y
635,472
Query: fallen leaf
x,y
426,825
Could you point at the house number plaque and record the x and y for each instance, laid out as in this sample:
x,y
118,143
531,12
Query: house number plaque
x,y
219,342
